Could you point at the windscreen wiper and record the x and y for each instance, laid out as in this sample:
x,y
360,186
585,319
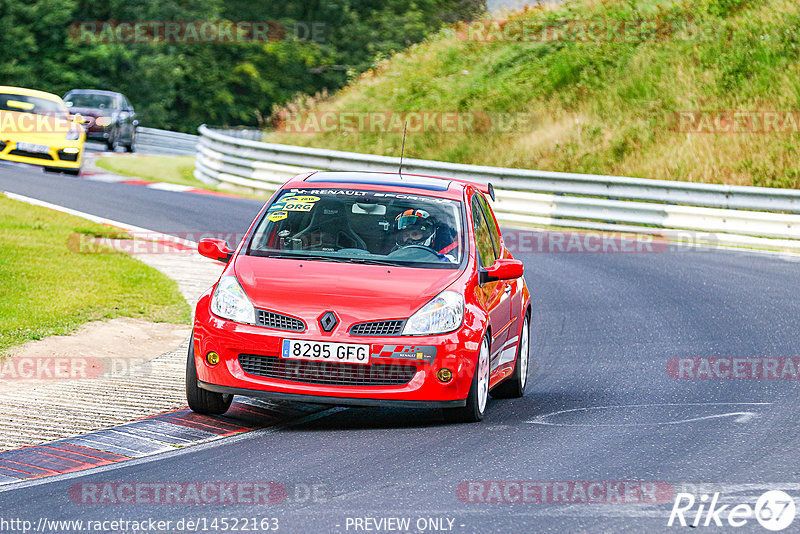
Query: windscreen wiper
x,y
297,256
373,261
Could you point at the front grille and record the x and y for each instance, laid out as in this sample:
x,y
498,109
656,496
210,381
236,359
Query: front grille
x,y
279,321
339,374
26,154
377,328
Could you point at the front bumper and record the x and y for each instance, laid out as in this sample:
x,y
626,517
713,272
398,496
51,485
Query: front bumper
x,y
98,133
55,157
338,401
456,351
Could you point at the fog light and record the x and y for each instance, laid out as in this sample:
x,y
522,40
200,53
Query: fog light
x,y
71,150
212,358
444,375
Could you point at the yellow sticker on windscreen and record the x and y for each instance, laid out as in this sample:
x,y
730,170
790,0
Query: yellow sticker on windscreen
x,y
277,216
298,206
302,199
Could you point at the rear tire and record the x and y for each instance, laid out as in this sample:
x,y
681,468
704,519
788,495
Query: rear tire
x,y
514,386
201,400
478,391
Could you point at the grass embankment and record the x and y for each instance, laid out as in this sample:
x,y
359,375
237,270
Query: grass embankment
x,y
170,169
47,288
602,106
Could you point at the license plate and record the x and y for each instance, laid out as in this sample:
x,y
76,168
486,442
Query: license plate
x,y
30,147
324,351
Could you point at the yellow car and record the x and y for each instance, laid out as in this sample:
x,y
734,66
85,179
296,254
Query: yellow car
x,y
36,128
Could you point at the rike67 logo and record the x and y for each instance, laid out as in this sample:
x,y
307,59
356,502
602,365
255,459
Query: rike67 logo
x,y
774,510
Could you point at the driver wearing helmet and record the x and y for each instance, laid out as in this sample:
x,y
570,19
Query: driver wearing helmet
x,y
414,227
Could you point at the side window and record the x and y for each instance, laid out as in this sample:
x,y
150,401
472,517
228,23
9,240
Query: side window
x,y
126,104
483,237
487,211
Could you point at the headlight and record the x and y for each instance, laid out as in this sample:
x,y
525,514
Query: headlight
x,y
103,121
230,302
73,135
443,313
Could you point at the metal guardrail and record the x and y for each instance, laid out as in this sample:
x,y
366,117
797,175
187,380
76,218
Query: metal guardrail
x,y
155,141
736,215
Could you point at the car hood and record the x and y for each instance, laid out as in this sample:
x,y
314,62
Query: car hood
x,y
355,292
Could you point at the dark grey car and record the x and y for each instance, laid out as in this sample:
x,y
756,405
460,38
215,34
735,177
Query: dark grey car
x,y
109,116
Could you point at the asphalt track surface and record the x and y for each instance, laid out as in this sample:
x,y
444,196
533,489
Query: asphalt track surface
x,y
600,405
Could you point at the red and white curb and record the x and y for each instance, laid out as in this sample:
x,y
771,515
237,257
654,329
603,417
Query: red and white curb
x,y
160,186
153,435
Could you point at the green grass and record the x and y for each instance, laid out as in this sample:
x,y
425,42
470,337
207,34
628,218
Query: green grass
x,y
47,289
171,169
597,107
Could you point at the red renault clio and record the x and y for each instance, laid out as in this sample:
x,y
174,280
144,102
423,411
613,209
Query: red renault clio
x,y
370,289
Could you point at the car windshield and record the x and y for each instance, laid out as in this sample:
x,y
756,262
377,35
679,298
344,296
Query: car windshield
x,y
89,100
31,104
362,227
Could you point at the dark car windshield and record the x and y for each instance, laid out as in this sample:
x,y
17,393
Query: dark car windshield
x,y
362,227
31,104
89,100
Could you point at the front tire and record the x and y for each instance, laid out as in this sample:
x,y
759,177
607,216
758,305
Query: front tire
x,y
514,386
201,400
478,391
112,141
130,147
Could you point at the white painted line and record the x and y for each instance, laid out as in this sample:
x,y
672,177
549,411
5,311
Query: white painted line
x,y
164,186
104,177
741,416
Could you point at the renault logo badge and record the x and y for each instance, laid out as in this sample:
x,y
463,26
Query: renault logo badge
x,y
328,321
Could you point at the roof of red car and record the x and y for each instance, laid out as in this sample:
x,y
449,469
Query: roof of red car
x,y
383,181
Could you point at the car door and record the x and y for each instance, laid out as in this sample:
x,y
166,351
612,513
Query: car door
x,y
493,296
512,289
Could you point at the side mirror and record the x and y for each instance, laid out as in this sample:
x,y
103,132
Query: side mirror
x,y
502,269
216,249
78,119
